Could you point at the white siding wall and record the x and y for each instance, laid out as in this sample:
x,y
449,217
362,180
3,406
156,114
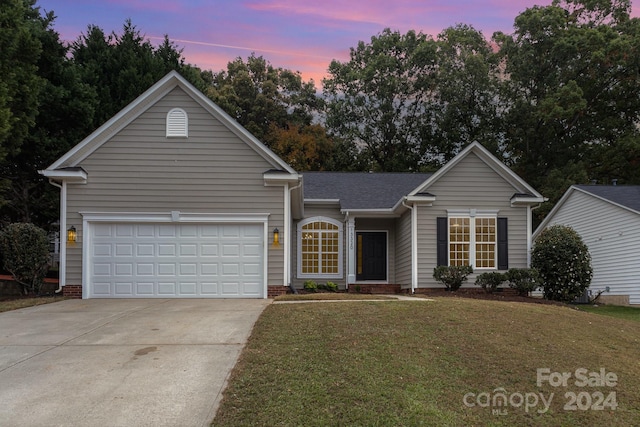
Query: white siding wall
x,y
140,170
613,237
471,184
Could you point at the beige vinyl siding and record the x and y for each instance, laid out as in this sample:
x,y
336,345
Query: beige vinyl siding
x,y
388,225
403,250
612,234
327,211
140,170
471,184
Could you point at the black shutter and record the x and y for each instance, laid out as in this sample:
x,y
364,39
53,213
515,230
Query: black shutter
x,y
442,241
503,244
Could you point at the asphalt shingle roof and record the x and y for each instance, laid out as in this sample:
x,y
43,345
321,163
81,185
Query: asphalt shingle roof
x,y
625,195
362,190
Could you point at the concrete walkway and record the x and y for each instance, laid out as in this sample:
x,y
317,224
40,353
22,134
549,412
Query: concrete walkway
x,y
120,362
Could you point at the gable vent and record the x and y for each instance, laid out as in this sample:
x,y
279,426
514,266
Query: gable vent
x,y
177,123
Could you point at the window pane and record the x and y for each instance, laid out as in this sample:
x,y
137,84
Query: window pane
x,y
459,238
319,247
485,242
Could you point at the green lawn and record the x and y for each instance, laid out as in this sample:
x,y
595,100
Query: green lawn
x,y
629,313
405,363
324,296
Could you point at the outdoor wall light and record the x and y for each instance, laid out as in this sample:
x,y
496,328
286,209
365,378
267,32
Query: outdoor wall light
x,y
72,234
276,238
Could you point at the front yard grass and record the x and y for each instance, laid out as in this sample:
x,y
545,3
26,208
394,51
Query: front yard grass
x,y
324,296
16,303
411,363
621,312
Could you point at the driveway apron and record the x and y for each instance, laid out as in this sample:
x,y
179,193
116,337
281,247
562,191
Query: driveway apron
x,y
126,362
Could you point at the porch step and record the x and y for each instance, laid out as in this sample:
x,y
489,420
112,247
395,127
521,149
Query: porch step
x,y
375,288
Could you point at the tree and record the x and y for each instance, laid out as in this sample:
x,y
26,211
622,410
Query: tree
x,y
263,98
65,111
466,93
304,148
379,99
20,85
573,92
563,262
25,250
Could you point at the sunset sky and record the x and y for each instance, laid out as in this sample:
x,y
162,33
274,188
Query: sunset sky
x,y
299,35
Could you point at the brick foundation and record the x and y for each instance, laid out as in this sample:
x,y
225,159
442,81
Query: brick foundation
x,y
373,288
72,291
274,291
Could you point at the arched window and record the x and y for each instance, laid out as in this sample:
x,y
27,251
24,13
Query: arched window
x,y
177,123
320,248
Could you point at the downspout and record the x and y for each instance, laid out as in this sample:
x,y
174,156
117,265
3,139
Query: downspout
x,y
288,237
62,271
414,245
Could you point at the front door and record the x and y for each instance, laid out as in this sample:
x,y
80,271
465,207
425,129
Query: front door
x,y
371,255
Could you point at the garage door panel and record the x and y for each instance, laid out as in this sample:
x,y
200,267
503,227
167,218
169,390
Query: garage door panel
x,y
146,249
144,288
165,249
167,288
176,260
124,250
124,288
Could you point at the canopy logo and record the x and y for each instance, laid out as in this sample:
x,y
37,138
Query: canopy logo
x,y
499,400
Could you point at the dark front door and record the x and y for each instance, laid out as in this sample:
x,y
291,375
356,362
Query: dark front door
x,y
371,256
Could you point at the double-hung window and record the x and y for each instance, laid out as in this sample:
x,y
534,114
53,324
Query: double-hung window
x,y
473,240
320,248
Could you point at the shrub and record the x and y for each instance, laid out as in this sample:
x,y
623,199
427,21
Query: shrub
x,y
25,249
452,276
332,287
564,263
310,286
523,280
490,281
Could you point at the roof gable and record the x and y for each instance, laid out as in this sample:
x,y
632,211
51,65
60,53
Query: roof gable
x,y
523,190
141,104
624,196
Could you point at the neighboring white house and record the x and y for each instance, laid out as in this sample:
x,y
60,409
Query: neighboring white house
x,y
607,217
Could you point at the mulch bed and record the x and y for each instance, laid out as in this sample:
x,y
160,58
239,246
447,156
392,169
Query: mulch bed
x,y
496,296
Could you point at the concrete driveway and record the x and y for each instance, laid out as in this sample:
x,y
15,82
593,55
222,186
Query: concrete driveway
x,y
120,362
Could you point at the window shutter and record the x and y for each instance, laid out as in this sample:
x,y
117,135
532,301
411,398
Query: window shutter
x,y
442,241
503,244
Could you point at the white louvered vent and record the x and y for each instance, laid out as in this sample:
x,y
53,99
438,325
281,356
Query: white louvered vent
x,y
177,123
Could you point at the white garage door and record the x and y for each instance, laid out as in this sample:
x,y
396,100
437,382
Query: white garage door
x,y
176,260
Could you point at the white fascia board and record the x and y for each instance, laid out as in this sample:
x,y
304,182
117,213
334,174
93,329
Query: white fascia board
x,y
370,213
280,178
65,175
321,201
527,201
175,216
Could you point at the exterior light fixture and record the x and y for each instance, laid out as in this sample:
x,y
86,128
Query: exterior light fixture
x,y
72,235
276,238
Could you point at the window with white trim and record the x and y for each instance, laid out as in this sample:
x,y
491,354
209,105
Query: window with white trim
x,y
473,241
177,123
319,248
